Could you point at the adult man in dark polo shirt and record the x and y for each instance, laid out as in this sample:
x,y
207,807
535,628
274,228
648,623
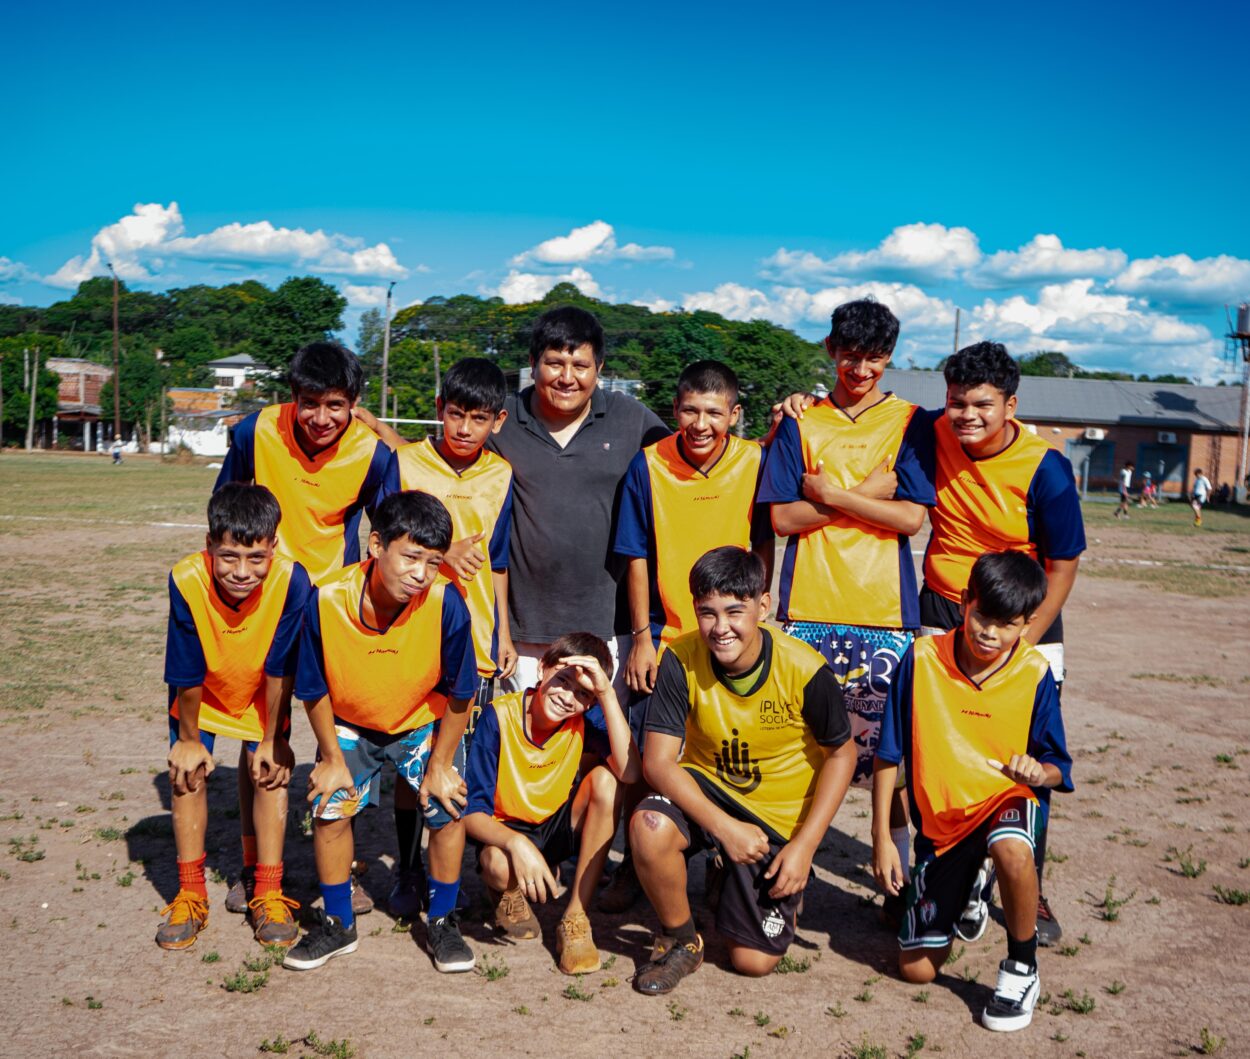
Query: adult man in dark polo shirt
x,y
569,444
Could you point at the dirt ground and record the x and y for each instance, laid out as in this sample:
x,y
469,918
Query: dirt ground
x,y
1157,722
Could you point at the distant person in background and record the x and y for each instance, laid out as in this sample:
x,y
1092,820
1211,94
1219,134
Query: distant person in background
x,y
116,450
1224,494
1149,492
1199,494
1126,481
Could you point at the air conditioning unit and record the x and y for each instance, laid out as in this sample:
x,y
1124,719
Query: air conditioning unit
x,y
1167,437
1095,434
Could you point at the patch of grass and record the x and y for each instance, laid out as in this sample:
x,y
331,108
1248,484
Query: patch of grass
x,y
954,956
210,957
1185,863
24,849
869,1050
1209,1043
610,983
109,834
1085,939
334,1049
278,1046
1115,988
1231,897
93,1004
1081,1005
836,1011
574,991
1054,857
789,965
676,1012
780,1032
1068,950
491,967
864,996
761,1019
736,1013
915,1044
1110,906
83,875
521,1010
1244,862
1227,760
920,998
1204,679
744,1054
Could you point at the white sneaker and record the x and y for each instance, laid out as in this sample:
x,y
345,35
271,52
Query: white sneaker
x,y
1015,997
976,914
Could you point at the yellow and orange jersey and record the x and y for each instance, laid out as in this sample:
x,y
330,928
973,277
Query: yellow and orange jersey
x,y
321,496
513,778
227,649
849,571
1022,499
760,751
945,726
479,500
388,680
672,513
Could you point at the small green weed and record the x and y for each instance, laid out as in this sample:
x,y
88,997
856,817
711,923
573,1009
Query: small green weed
x,y
334,1049
915,1043
1111,905
761,1019
864,996
780,1032
789,965
869,1050
93,1004
126,879
109,834
278,1046
1068,950
736,1013
1232,897
1209,1043
574,991
676,1012
836,1011
210,957
955,955
492,968
243,982
521,1010
24,849
921,998
1185,862
1115,988
744,1054
1082,1004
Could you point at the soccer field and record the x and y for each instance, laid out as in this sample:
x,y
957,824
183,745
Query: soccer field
x,y
1149,857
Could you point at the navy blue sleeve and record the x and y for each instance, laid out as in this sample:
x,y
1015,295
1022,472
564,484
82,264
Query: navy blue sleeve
x,y
390,479
501,538
1054,509
761,514
1047,741
459,661
482,769
184,656
915,462
240,462
310,671
371,491
783,466
595,733
284,652
634,530
896,716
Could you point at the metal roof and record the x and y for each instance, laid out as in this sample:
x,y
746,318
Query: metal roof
x,y
239,360
1101,402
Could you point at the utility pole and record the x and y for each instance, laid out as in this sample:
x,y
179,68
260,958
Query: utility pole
x,y
386,348
438,374
30,416
956,347
117,377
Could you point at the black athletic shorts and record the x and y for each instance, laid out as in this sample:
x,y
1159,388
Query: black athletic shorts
x,y
555,838
746,914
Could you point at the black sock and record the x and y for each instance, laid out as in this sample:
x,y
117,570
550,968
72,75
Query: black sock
x,y
1024,952
685,933
406,832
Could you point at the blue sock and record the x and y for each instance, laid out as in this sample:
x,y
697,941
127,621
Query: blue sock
x,y
338,901
442,897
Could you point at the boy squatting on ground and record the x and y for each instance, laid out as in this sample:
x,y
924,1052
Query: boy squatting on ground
x,y
527,809
386,671
476,488
849,482
324,467
750,751
999,487
234,620
974,714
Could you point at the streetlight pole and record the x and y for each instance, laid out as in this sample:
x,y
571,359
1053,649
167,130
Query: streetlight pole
x,y
386,348
117,378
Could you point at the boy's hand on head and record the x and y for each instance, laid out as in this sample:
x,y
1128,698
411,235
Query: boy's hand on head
x,y
887,869
444,784
189,765
743,843
1021,769
790,868
642,666
881,483
464,557
507,657
272,764
588,673
327,779
533,876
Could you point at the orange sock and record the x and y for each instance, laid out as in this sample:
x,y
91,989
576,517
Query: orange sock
x,y
191,876
268,878
249,851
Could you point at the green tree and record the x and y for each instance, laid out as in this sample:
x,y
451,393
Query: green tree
x,y
1048,363
142,385
13,375
303,309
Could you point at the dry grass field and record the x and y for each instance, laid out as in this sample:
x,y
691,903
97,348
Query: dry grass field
x,y
1149,873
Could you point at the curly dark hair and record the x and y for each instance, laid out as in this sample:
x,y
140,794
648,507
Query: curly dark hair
x,y
981,364
863,326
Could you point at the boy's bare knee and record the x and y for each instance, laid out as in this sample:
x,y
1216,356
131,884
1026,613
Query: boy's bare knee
x,y
752,962
495,867
1013,858
650,834
920,968
603,787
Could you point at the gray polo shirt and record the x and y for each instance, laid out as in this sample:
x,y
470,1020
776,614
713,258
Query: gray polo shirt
x,y
562,573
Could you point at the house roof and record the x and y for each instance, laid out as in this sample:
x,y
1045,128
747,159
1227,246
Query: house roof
x,y
1102,402
239,360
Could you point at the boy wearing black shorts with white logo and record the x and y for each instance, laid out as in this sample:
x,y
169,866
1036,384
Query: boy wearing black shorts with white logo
x,y
749,750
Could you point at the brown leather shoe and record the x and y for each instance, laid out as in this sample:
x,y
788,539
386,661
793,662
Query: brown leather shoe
x,y
674,963
514,916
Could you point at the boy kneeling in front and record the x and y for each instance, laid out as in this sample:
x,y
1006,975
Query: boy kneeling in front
x,y
748,748
974,713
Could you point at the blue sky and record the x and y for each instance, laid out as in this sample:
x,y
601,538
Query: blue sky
x,y
1070,177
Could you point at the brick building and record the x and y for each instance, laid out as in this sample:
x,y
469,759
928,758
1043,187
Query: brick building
x,y
1165,428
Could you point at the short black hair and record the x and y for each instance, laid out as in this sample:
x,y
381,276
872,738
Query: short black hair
x,y
728,571
420,517
474,384
984,364
863,326
249,513
320,367
708,376
565,328
1007,585
578,643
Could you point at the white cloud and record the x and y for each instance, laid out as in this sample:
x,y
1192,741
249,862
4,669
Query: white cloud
x,y
15,272
1182,280
592,242
140,245
657,305
520,288
1044,257
364,297
9,299
927,250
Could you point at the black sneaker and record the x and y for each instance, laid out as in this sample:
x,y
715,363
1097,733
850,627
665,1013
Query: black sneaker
x,y
242,892
1048,929
669,965
450,951
1015,997
407,898
326,938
